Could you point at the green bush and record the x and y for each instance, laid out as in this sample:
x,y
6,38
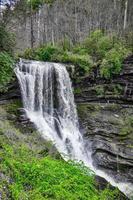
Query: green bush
x,y
35,4
100,90
35,178
106,51
104,44
28,54
112,62
7,40
91,43
47,53
83,63
6,70
52,53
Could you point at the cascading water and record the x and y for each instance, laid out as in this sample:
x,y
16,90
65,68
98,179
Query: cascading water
x,y
49,103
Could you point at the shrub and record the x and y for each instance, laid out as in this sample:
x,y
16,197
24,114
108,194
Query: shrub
x,y
51,53
35,4
91,43
47,53
112,63
47,178
100,90
104,44
83,63
6,70
7,40
106,51
28,54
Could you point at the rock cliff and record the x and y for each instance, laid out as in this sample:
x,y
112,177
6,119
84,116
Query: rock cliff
x,y
106,116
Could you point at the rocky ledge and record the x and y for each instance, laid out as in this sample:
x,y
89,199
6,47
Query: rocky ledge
x,y
119,89
109,129
105,110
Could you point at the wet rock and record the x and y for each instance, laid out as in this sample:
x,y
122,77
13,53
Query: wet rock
x,y
109,129
13,92
106,115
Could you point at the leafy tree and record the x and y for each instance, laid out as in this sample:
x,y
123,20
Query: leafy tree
x,y
35,4
7,40
6,71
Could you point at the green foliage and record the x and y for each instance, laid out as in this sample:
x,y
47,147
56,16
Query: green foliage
x,y
103,45
35,4
99,49
52,53
77,91
6,70
47,178
100,90
112,62
107,50
6,61
83,63
6,40
113,89
126,129
91,42
27,174
47,53
28,54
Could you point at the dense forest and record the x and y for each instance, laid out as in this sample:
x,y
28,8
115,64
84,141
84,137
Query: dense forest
x,y
42,43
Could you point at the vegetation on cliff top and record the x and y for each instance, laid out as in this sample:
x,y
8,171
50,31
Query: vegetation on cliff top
x,y
99,50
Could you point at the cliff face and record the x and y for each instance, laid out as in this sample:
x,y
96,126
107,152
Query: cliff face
x,y
106,116
119,89
69,19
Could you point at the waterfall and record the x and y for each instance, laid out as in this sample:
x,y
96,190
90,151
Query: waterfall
x,y
49,103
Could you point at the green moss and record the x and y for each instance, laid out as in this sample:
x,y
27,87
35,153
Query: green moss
x,y
104,90
113,107
100,90
77,91
13,106
130,146
126,129
86,110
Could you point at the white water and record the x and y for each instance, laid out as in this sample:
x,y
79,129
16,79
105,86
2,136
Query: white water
x,y
49,103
